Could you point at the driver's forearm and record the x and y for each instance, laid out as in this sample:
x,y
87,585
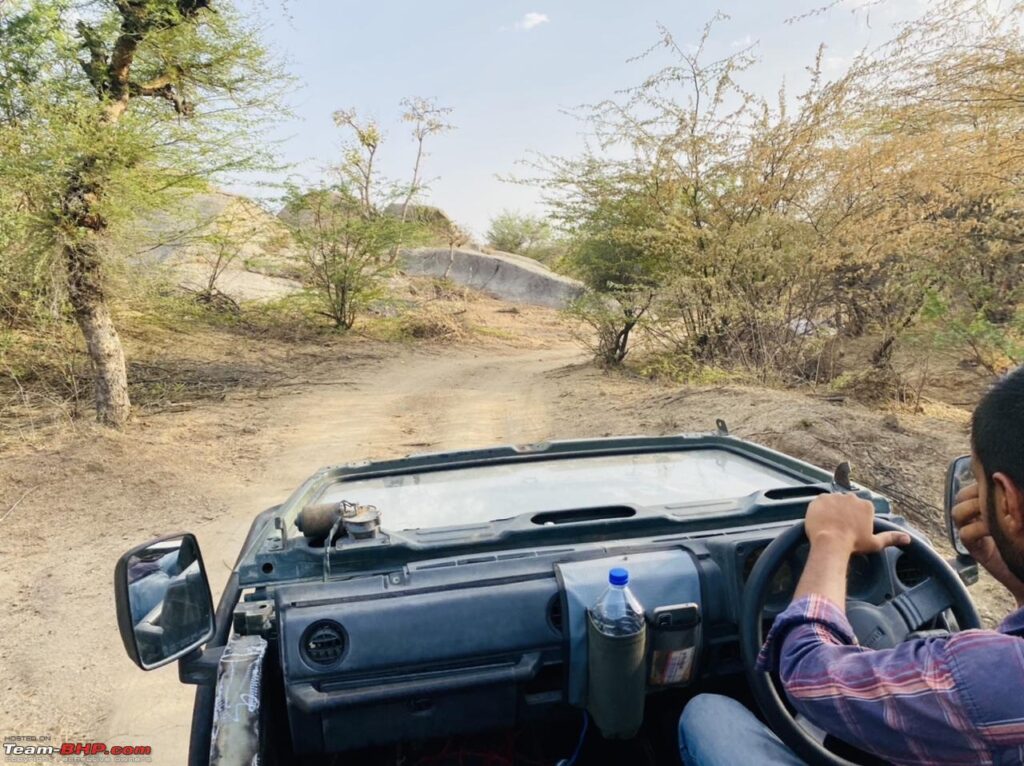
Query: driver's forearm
x,y
825,571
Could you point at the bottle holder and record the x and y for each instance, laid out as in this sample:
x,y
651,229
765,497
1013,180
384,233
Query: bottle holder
x,y
656,577
616,680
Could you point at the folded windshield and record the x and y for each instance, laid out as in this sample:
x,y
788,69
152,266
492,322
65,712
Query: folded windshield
x,y
489,493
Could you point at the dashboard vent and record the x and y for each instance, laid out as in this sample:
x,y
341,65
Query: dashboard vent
x,y
323,643
555,614
793,493
584,514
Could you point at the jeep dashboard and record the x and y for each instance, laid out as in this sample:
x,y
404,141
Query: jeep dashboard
x,y
454,645
453,610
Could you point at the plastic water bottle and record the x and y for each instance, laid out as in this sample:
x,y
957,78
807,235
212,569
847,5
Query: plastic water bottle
x,y
617,612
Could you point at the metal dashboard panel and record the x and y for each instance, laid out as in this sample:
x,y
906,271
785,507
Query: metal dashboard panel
x,y
427,661
421,628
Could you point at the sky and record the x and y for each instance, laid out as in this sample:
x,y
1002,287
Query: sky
x,y
510,70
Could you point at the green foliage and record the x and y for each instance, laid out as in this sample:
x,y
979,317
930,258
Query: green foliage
x,y
996,347
435,324
344,248
350,231
611,322
621,246
523,234
195,110
676,369
109,110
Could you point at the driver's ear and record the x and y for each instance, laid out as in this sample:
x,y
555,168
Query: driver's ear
x,y
1009,503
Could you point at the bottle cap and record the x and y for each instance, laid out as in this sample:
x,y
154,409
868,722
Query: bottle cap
x,y
618,576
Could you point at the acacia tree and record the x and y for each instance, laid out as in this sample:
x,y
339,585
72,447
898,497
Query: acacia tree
x,y
513,232
129,100
952,89
890,189
224,239
693,209
427,119
349,231
343,248
27,287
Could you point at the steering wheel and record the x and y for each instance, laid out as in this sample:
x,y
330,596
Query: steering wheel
x,y
877,626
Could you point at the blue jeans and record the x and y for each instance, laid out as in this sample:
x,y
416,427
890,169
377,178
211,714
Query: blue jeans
x,y
719,731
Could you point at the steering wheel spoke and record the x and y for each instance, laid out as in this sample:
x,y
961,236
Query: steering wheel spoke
x,y
882,626
923,603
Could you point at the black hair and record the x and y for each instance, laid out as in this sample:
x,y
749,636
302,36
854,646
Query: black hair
x,y
997,429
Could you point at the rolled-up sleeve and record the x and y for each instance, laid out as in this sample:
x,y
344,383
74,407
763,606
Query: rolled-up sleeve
x,y
900,703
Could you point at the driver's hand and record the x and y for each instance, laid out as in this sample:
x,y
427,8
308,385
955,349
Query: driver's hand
x,y
972,524
848,520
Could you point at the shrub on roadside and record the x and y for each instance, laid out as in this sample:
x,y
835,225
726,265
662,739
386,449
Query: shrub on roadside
x,y
528,235
442,323
608,324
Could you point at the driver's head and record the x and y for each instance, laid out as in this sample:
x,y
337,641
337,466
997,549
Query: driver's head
x,y
997,437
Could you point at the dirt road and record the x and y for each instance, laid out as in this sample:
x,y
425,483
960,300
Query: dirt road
x,y
72,508
209,471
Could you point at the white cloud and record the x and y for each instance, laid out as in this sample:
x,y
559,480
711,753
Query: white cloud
x,y
531,20
744,42
835,63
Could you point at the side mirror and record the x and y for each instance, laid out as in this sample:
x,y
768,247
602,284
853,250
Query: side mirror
x,y
958,475
164,607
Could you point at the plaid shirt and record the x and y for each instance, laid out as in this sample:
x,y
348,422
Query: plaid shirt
x,y
950,700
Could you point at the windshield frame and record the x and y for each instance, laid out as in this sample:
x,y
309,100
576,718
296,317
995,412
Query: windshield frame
x,y
278,552
578,448
694,478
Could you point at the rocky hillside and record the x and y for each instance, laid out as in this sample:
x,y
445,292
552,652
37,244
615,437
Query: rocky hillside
x,y
257,259
221,232
503,275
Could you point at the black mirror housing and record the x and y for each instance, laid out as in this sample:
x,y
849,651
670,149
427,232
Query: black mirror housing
x,y
164,607
958,476
966,568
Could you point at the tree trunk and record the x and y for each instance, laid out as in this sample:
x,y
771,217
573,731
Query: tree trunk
x,y
88,300
882,355
110,73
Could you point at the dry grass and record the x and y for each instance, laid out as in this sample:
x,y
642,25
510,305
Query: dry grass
x,y
182,354
431,322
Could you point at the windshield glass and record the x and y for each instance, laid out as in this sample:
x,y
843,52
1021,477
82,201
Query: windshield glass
x,y
488,493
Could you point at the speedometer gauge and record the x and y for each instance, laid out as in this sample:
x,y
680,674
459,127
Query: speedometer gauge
x,y
782,584
859,575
